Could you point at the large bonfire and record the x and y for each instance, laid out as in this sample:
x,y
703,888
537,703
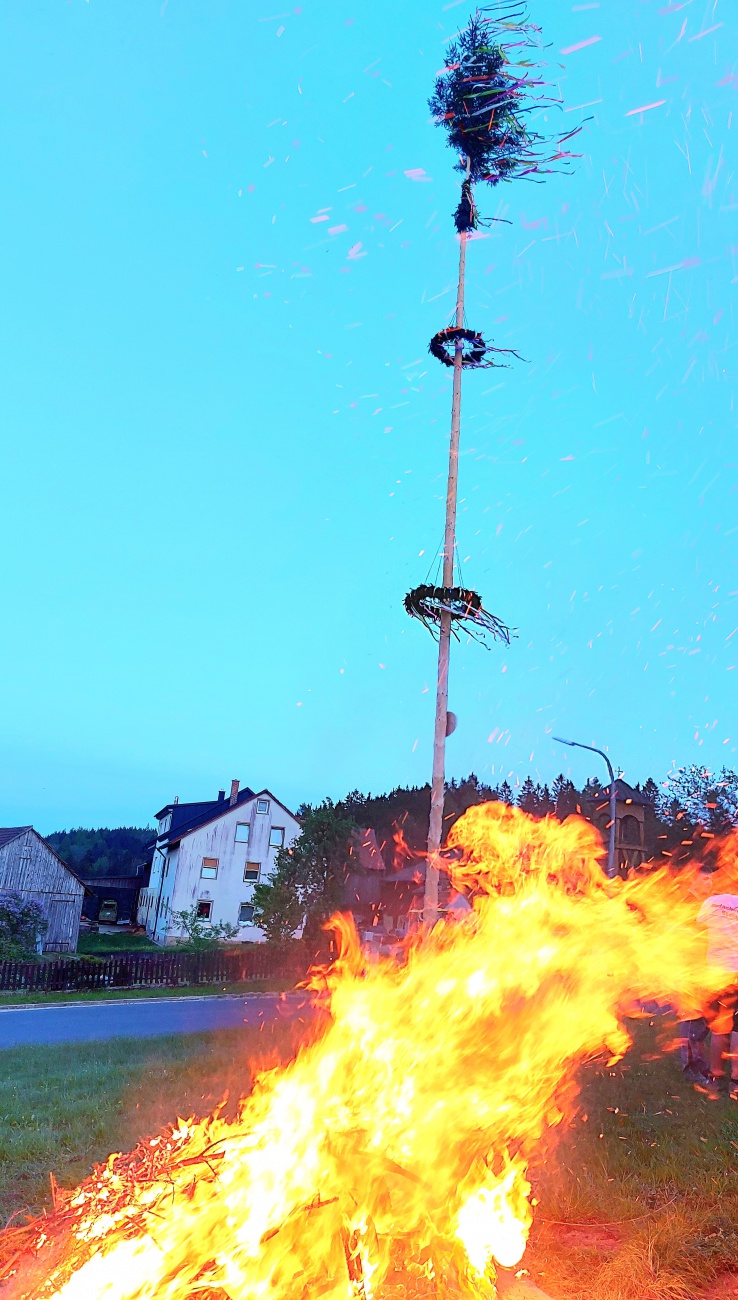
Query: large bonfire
x,y
391,1156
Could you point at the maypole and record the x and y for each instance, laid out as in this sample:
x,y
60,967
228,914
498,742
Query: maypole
x,y
435,828
482,97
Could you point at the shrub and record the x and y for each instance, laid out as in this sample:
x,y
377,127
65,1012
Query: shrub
x,y
22,924
201,934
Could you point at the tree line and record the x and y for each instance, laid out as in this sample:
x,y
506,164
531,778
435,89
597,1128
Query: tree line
x,y
688,798
116,851
308,879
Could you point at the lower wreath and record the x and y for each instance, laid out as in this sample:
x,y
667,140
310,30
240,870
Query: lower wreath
x,y
465,608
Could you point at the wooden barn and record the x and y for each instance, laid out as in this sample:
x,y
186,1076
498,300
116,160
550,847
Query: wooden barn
x,y
30,867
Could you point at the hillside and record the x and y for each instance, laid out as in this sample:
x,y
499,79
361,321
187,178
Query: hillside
x,y
103,852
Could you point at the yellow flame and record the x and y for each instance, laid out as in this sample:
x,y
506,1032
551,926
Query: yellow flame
x,y
493,1223
395,1147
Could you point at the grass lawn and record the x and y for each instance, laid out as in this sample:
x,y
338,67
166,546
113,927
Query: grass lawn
x,y
158,991
95,943
637,1201
64,1108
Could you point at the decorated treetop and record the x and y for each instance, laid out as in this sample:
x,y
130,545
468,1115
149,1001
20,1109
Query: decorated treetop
x,y
484,98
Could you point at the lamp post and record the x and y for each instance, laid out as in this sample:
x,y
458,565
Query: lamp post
x,y
577,744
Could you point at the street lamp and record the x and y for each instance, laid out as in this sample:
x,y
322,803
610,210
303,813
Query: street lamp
x,y
577,744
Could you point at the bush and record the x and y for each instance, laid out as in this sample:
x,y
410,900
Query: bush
x,y
22,924
200,934
278,908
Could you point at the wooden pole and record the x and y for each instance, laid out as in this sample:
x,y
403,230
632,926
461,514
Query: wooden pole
x,y
435,828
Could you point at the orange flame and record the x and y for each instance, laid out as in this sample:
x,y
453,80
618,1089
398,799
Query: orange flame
x,y
402,852
396,1146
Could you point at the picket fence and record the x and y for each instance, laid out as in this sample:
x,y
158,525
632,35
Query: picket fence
x,y
151,969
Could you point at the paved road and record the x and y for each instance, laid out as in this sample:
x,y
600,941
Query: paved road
x,y
143,1018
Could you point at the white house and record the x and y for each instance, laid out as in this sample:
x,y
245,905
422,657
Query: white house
x,y
211,855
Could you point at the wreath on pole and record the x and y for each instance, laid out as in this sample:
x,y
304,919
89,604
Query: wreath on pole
x,y
476,353
428,603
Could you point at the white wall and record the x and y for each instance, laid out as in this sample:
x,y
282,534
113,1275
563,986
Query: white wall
x,y
179,881
155,903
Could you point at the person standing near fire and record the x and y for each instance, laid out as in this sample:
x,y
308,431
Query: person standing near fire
x,y
693,1029
719,913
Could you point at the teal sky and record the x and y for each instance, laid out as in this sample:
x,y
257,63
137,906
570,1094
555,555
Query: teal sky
x,y
224,443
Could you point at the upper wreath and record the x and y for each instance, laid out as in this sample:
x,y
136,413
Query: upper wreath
x,y
475,352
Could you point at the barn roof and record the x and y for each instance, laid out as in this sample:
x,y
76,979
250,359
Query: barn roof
x,y
95,884
8,833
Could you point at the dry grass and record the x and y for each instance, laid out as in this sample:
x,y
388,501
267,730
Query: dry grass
x,y
661,1182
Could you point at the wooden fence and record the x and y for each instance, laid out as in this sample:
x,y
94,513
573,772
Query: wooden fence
x,y
152,969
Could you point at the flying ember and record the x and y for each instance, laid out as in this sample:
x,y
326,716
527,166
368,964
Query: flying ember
x,y
391,1157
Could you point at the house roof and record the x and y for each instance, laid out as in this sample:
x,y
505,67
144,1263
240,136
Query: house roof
x,y
413,873
366,852
625,793
8,833
187,817
182,813
210,812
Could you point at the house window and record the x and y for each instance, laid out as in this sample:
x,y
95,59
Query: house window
x,y
262,805
276,837
246,914
164,824
209,869
242,832
251,874
204,909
